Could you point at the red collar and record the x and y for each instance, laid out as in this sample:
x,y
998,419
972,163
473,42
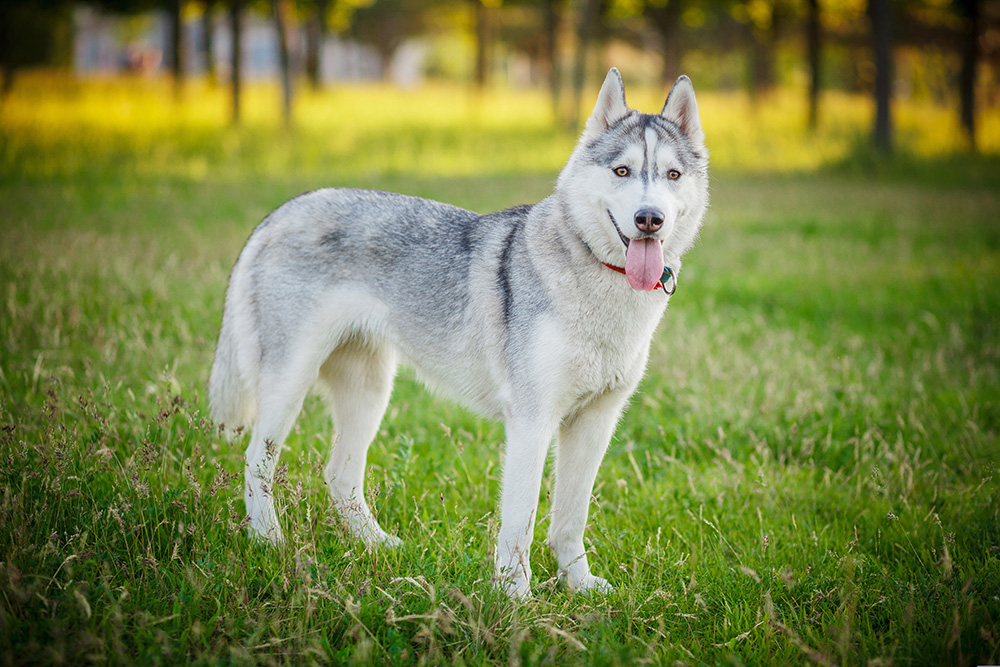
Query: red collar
x,y
668,275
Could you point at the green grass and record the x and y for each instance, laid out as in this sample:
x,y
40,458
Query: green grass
x,y
807,475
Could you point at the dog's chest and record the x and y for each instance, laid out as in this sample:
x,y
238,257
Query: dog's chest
x,y
600,349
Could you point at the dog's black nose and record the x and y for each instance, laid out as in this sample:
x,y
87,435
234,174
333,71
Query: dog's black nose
x,y
648,220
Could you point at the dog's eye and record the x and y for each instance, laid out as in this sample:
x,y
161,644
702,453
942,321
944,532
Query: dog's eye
x,y
673,174
621,171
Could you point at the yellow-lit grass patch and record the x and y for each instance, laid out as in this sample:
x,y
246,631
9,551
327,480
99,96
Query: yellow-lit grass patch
x,y
53,126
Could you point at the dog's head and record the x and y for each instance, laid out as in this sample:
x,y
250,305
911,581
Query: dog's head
x,y
642,177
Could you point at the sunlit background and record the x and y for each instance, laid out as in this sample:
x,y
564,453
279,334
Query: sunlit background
x,y
785,84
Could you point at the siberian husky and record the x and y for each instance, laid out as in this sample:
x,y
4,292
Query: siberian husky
x,y
538,315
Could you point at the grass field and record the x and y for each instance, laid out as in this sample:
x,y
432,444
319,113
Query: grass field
x,y
808,473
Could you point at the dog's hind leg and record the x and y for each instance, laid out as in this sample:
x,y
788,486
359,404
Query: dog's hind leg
x,y
357,379
580,446
282,391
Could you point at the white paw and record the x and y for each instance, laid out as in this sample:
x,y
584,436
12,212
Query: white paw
x,y
591,584
513,574
271,535
515,589
379,539
586,584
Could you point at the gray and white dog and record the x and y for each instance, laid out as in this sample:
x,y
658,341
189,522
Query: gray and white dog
x,y
538,315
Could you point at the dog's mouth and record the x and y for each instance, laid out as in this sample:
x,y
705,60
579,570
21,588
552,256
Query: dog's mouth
x,y
618,229
643,260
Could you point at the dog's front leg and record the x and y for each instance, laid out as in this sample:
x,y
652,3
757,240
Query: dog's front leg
x,y
528,441
580,447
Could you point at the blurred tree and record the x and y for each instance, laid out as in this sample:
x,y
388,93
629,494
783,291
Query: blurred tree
x,y
945,39
321,17
175,55
316,30
386,24
881,35
7,62
765,20
665,18
553,12
208,38
33,32
813,57
280,11
971,11
588,27
236,61
531,28
485,20
674,21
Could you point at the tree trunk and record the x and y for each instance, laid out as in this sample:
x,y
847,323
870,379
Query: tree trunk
x,y
553,12
878,13
667,22
484,26
763,47
590,16
970,62
315,36
176,53
284,59
7,64
813,47
208,39
235,75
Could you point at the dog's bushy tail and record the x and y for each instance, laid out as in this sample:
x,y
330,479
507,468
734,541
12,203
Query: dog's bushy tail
x,y
233,385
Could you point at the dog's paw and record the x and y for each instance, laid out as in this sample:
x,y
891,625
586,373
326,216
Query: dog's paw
x,y
518,590
586,584
270,536
375,538
513,575
591,584
386,541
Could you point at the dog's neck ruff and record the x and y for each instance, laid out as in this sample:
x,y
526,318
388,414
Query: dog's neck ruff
x,y
667,277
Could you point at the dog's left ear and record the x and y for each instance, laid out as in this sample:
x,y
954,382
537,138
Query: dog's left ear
x,y
681,109
610,107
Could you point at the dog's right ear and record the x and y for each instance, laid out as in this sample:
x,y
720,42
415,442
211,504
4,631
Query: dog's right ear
x,y
610,107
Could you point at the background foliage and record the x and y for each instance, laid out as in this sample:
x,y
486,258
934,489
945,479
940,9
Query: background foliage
x,y
941,51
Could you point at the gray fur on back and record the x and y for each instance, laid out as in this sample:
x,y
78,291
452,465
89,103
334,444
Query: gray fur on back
x,y
421,258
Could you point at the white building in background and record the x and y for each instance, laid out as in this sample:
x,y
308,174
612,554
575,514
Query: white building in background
x,y
106,44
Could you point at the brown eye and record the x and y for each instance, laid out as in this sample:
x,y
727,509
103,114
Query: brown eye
x,y
673,174
621,171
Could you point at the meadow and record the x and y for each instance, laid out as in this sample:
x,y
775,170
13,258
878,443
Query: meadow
x,y
807,475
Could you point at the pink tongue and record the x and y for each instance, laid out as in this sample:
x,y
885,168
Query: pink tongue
x,y
644,264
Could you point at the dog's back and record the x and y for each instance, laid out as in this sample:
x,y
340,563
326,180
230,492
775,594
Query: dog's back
x,y
373,265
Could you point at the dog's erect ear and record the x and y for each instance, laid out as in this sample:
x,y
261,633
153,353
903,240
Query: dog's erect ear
x,y
681,109
610,107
